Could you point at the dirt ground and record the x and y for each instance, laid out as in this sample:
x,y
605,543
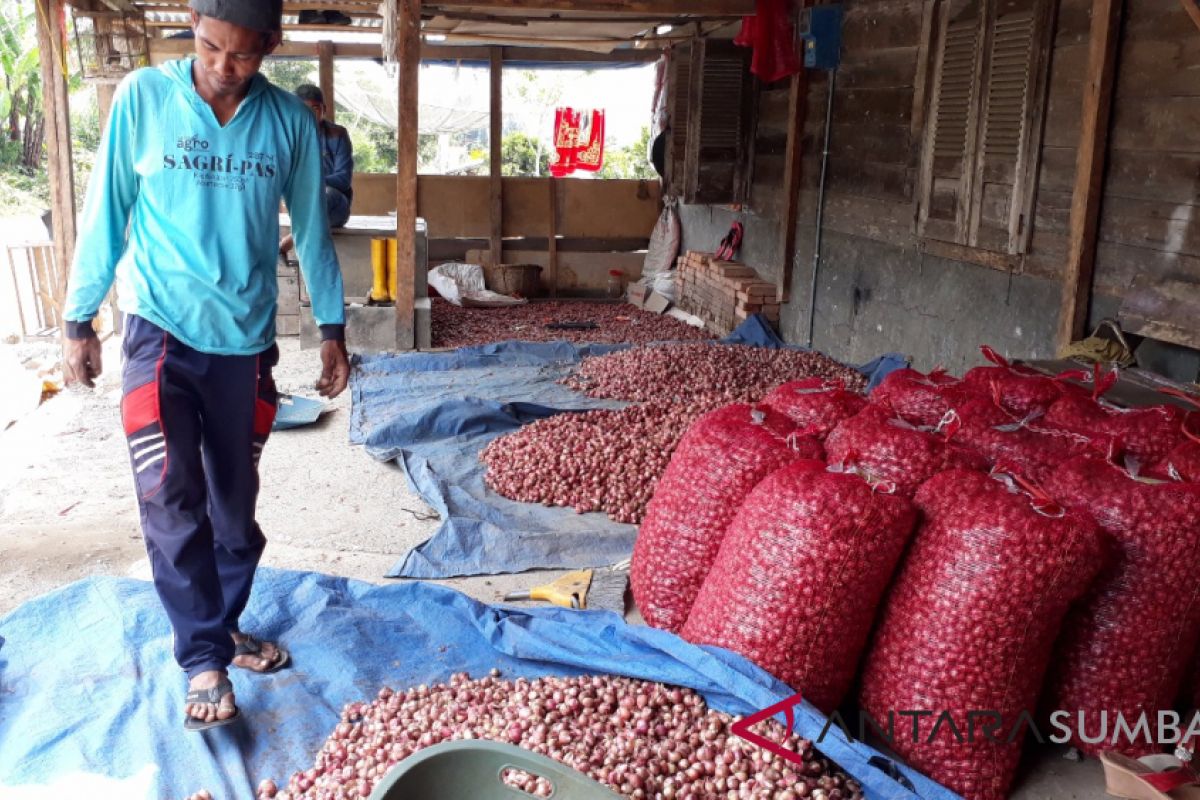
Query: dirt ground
x,y
67,509
67,512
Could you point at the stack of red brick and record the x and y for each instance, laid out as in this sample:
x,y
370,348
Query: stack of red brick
x,y
723,293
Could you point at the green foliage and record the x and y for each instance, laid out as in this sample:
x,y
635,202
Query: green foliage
x,y
631,161
288,73
523,156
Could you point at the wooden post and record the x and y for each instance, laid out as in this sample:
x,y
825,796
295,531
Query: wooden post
x,y
1089,169
497,156
552,240
58,131
793,161
408,32
325,71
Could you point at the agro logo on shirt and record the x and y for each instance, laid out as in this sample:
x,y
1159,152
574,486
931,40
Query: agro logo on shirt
x,y
216,170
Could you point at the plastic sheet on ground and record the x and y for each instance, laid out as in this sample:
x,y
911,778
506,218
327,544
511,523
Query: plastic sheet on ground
x,y
433,413
90,694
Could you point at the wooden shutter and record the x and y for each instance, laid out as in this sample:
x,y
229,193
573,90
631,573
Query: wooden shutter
x,y
948,169
1010,133
678,101
721,111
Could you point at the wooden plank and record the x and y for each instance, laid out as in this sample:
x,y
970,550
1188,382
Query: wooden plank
x,y
495,143
922,82
792,173
408,35
1193,10
552,235
325,70
870,26
164,49
57,131
667,8
1089,170
1163,309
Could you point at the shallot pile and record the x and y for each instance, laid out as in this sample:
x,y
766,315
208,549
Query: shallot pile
x,y
603,460
676,372
611,460
643,740
616,323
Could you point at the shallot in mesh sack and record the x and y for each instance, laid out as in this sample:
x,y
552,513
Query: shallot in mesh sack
x,y
1021,391
1032,450
892,450
716,464
969,625
914,396
1146,433
1126,646
815,404
799,576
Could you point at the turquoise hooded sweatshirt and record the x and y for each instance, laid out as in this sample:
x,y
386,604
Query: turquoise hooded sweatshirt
x,y
184,213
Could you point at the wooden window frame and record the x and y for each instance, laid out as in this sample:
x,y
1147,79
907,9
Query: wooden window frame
x,y
688,132
967,247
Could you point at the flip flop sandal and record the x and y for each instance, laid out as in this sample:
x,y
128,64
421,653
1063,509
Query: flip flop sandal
x,y
253,647
730,243
211,696
1159,777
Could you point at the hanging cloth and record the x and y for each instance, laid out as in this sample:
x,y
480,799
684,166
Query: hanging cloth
x,y
771,34
578,141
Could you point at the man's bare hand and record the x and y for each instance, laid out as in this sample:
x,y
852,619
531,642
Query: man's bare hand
x,y
335,368
81,361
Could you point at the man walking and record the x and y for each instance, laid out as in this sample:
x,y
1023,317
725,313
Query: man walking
x,y
182,212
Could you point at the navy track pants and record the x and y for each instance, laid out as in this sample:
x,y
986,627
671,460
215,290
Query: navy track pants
x,y
196,424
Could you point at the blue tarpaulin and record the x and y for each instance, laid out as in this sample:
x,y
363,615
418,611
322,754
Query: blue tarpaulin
x,y
433,413
88,683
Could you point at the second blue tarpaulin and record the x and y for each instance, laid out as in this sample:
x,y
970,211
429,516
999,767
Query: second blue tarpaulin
x,y
433,413
91,700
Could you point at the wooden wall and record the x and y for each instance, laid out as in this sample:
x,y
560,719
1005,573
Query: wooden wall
x,y
1150,217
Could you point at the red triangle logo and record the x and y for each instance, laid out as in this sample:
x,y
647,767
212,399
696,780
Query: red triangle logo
x,y
743,726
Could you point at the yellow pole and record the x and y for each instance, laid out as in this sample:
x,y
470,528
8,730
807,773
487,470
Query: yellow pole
x,y
379,270
391,268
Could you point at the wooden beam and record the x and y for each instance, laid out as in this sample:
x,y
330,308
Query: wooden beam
x,y
668,8
552,237
495,142
408,33
1098,91
325,70
1192,7
166,48
58,132
792,172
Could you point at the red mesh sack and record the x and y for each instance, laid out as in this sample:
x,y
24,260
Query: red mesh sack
x,y
1021,391
814,404
716,464
1027,448
1126,646
1147,433
892,450
1182,463
799,576
916,397
970,623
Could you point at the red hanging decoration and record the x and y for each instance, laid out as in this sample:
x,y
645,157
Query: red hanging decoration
x,y
578,141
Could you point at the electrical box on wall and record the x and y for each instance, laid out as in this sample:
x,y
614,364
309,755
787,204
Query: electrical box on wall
x,y
819,31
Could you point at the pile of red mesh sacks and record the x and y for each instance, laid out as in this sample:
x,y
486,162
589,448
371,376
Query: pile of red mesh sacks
x,y
971,620
1126,647
761,549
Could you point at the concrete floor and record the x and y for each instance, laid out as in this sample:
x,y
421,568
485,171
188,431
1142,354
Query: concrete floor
x,y
66,512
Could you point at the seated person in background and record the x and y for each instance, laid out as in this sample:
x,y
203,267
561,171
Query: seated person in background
x,y
337,161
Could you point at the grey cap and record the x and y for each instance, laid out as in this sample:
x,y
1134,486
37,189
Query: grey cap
x,y
310,94
265,16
